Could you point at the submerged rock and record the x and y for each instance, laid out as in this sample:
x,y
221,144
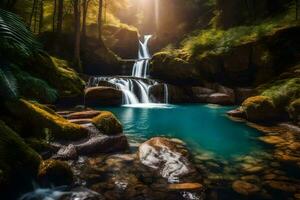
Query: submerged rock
x,y
245,188
185,186
103,96
167,157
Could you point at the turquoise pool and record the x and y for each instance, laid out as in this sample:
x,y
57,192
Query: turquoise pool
x,y
202,127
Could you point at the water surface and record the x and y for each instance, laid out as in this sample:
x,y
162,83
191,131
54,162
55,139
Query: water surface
x,y
202,127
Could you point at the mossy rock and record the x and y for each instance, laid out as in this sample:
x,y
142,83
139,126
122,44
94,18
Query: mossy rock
x,y
259,108
294,110
43,123
107,123
41,146
18,162
55,172
58,74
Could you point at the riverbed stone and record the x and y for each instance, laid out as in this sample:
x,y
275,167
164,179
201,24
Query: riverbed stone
x,y
55,172
270,139
220,98
185,186
169,158
245,188
103,96
282,186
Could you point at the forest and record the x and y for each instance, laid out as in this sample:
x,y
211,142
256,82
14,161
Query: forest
x,y
149,99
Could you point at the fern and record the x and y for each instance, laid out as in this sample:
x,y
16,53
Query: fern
x,y
16,40
8,84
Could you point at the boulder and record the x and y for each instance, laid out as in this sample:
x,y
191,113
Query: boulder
x,y
220,98
44,123
245,188
107,123
103,96
55,172
241,94
18,162
83,114
259,108
294,110
236,113
124,41
174,70
169,158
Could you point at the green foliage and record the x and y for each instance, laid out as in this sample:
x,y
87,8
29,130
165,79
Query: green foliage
x,y
34,88
17,41
216,40
8,85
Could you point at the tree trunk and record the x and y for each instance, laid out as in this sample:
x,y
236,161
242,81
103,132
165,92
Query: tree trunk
x,y
60,15
41,21
297,9
32,12
77,62
85,5
100,9
54,16
35,16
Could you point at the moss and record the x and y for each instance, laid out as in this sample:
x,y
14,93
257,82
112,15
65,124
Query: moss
x,y
294,110
40,146
54,172
282,91
44,124
58,74
17,160
34,88
259,108
107,123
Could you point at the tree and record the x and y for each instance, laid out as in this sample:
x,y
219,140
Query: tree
x,y
100,11
85,6
60,15
33,10
41,20
54,16
77,17
297,8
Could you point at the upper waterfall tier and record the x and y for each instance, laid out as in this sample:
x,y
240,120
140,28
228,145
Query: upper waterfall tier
x,y
140,68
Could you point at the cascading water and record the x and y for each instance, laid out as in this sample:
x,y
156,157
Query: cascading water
x,y
140,68
135,88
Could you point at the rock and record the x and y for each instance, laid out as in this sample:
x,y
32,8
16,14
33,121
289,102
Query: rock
x,y
18,162
107,123
185,186
81,121
259,108
272,139
41,122
244,188
282,186
103,96
294,110
236,113
124,41
251,178
169,158
103,144
219,98
183,73
54,172
83,114
67,153
241,94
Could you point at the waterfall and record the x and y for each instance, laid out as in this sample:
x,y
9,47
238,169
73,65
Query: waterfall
x,y
166,91
136,87
140,68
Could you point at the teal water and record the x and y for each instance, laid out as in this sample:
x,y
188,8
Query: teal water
x,y
201,127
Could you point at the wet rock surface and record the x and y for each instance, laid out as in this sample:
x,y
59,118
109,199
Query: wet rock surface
x,y
168,157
